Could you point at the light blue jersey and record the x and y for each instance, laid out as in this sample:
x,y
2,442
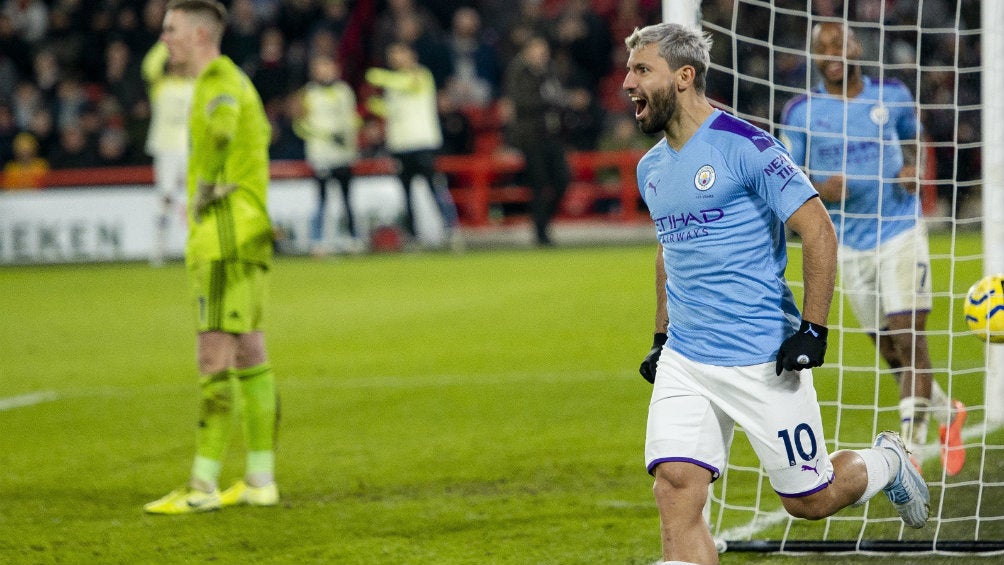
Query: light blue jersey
x,y
876,207
719,207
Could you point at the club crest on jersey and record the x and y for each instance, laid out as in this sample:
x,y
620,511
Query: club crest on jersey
x,y
879,115
705,177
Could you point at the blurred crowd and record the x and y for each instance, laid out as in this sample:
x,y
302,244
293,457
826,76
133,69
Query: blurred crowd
x,y
72,94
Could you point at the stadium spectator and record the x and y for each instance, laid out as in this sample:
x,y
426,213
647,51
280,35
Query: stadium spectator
x,y
269,70
719,359
409,109
71,99
43,130
113,148
334,18
476,74
27,169
431,50
14,47
74,150
584,39
122,78
243,38
389,22
536,98
582,119
867,175
47,74
30,18
228,257
26,100
528,21
328,123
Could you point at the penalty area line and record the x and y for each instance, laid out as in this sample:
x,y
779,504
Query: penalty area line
x,y
30,399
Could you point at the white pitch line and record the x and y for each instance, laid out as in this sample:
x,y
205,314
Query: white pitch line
x,y
29,399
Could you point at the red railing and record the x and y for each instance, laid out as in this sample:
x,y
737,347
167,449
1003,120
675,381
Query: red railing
x,y
477,181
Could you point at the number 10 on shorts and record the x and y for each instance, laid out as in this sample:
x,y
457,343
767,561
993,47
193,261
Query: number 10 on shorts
x,y
802,441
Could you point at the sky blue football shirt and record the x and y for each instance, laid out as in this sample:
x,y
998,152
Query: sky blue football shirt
x,y
861,137
719,207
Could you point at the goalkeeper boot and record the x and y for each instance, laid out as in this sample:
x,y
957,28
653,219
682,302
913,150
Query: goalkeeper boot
x,y
907,491
185,500
242,493
953,452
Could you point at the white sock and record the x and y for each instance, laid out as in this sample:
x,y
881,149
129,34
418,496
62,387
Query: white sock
x,y
913,420
882,466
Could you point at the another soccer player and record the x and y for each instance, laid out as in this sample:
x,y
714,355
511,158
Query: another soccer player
x,y
170,94
228,256
857,138
736,348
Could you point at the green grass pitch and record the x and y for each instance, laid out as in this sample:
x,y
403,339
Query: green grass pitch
x,y
436,409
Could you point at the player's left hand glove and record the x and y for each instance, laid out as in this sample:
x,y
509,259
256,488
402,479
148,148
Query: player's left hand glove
x,y
805,348
647,368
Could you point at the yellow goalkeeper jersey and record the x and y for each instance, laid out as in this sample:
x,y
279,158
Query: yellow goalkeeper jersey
x,y
229,135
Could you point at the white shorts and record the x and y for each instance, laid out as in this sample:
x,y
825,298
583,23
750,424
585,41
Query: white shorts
x,y
695,408
894,278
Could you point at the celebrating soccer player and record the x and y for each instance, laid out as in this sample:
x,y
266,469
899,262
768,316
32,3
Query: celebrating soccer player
x,y
731,345
228,256
856,137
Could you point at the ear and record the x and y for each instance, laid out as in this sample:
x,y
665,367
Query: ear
x,y
685,76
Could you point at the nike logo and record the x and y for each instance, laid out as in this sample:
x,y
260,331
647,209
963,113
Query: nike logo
x,y
200,502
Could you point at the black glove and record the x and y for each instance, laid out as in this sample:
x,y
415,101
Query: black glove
x,y
803,349
647,368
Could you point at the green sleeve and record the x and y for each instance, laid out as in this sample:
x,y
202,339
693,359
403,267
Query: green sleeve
x,y
394,80
223,112
154,62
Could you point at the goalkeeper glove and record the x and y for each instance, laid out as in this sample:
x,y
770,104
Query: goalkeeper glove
x,y
803,349
648,366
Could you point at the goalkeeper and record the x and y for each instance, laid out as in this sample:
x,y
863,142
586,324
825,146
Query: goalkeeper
x,y
731,346
228,257
871,194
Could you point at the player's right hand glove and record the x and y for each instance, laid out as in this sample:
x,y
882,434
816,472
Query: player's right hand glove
x,y
803,349
647,368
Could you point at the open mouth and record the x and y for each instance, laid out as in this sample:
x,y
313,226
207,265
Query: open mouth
x,y
640,105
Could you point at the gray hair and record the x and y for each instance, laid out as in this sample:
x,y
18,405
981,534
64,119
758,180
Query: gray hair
x,y
679,46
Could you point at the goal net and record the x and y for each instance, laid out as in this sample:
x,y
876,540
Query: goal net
x,y
940,51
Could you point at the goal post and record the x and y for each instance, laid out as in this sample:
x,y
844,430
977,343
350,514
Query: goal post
x,y
993,183
760,61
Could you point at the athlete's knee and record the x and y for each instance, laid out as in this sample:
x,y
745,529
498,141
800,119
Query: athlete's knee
x,y
681,482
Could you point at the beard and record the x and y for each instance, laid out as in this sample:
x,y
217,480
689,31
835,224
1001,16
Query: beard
x,y
661,107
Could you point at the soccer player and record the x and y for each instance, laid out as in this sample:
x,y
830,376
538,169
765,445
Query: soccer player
x,y
170,94
857,138
228,257
731,345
